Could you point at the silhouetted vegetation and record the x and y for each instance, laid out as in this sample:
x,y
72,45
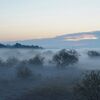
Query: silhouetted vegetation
x,y
18,45
36,61
62,59
11,62
65,57
23,72
2,46
89,87
93,54
34,75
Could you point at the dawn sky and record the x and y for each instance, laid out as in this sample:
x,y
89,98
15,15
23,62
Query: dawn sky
x,y
28,19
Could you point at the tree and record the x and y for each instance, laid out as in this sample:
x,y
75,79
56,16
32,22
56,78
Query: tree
x,y
23,72
36,61
93,54
65,57
10,62
89,87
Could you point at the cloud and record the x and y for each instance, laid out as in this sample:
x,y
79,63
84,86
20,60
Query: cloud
x,y
81,37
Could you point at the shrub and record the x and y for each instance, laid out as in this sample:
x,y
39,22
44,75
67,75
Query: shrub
x,y
36,61
12,62
89,87
65,57
23,72
93,54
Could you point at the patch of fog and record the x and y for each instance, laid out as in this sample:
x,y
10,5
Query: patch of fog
x,y
12,87
86,62
21,54
24,54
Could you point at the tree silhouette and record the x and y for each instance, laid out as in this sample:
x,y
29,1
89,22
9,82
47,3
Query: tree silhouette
x,y
89,87
36,61
93,54
65,57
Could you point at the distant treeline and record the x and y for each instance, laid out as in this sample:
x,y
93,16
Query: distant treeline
x,y
18,45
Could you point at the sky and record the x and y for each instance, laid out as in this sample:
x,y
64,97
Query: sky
x,y
31,19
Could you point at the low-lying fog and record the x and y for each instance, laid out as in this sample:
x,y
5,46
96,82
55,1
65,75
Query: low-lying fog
x,y
22,72
85,61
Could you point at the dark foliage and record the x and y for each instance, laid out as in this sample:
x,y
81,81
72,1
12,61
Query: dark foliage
x,y
89,87
93,54
18,45
65,57
2,45
23,72
36,61
11,62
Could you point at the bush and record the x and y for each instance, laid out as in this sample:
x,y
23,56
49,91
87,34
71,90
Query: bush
x,y
11,62
36,61
89,87
23,72
93,54
65,57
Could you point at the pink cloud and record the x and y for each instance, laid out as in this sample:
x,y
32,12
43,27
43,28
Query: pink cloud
x,y
80,37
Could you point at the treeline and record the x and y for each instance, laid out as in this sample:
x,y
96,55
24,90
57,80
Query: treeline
x,y
18,45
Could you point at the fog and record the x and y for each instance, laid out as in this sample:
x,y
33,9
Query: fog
x,y
26,73
85,62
